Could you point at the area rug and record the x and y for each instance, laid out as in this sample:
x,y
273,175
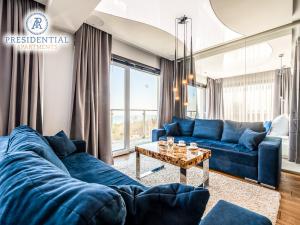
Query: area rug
x,y
253,197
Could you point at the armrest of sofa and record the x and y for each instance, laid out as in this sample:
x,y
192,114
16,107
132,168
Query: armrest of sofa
x,y
269,161
157,133
80,145
226,213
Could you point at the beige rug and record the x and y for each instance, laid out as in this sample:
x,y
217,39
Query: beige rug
x,y
256,198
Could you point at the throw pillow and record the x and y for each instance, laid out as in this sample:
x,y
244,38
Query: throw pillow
x,y
24,138
61,144
172,129
186,126
174,204
233,130
267,126
280,126
251,139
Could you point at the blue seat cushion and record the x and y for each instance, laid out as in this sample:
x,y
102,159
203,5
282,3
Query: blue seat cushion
x,y
24,138
233,130
174,204
251,139
172,129
208,129
229,152
34,191
61,144
89,169
187,139
186,126
226,213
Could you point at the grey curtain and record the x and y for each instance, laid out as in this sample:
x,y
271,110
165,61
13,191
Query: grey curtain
x,y
294,134
91,103
166,106
179,107
20,73
214,99
282,92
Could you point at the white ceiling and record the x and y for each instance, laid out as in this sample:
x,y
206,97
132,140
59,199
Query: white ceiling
x,y
149,25
252,59
207,29
149,38
253,16
68,15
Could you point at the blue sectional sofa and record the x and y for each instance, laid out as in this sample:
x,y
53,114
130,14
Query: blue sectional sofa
x,y
262,163
38,187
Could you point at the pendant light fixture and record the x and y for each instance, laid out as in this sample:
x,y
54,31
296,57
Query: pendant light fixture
x,y
187,69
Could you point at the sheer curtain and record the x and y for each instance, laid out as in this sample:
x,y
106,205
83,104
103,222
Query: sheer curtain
x,y
249,97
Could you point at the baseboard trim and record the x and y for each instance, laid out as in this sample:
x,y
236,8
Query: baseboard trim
x,y
290,171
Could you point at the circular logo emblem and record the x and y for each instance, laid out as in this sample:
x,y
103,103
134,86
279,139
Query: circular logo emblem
x,y
36,23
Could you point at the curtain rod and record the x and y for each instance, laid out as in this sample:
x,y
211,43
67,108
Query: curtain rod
x,y
134,64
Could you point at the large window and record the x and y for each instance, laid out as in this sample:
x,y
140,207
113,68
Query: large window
x,y
196,102
134,106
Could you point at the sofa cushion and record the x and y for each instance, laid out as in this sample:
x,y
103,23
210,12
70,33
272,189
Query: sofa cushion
x,y
34,191
186,126
226,213
230,152
174,204
251,139
172,129
89,169
24,138
3,145
61,144
209,129
233,130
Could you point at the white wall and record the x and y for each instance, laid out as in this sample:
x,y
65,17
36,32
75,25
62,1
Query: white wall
x,y
57,90
135,54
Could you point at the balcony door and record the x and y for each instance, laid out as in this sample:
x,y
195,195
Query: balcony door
x,y
134,106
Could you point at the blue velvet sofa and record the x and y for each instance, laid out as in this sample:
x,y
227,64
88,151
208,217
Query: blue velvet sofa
x,y
38,187
262,164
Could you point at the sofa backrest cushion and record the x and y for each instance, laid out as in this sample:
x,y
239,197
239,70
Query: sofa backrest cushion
x,y
251,139
172,129
24,138
209,129
34,191
186,126
61,144
174,204
233,130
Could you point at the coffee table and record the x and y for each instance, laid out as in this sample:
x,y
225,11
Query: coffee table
x,y
181,157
